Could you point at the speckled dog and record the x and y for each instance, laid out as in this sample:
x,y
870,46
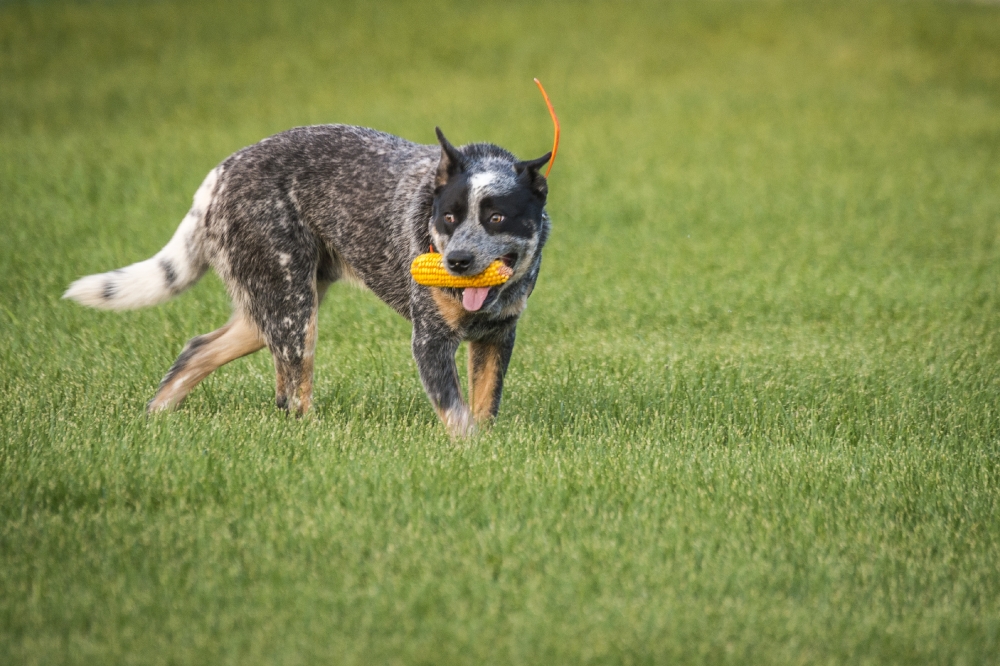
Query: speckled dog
x,y
281,220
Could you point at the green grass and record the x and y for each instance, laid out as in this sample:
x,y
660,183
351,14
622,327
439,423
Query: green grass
x,y
752,416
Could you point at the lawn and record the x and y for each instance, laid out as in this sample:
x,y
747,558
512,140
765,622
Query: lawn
x,y
753,416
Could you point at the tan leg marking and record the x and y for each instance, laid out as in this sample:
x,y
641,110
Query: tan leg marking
x,y
484,372
308,363
450,308
237,338
279,384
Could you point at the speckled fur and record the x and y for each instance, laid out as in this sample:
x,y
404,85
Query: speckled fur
x,y
281,220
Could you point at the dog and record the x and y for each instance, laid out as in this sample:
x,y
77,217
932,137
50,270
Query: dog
x,y
283,219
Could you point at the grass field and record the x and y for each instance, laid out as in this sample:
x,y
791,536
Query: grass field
x,y
752,416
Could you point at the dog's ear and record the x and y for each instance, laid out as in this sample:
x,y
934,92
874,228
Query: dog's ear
x,y
529,170
451,162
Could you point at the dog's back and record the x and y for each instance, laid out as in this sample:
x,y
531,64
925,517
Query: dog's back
x,y
352,188
333,199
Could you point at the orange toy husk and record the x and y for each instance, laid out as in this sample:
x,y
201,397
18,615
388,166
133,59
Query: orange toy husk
x,y
555,121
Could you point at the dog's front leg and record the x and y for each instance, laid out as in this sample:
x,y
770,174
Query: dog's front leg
x,y
488,360
434,350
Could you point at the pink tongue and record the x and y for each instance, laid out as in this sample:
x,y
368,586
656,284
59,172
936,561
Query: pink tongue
x,y
474,297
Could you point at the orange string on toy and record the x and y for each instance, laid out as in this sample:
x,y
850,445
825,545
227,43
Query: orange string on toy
x,y
555,121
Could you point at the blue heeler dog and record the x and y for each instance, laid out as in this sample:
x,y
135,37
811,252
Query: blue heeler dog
x,y
281,220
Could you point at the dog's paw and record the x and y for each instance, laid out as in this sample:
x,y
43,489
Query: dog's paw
x,y
161,403
459,422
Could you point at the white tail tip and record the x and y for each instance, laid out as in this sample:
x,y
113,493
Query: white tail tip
x,y
96,291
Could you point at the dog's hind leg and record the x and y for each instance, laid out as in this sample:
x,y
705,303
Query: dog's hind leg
x,y
204,354
292,341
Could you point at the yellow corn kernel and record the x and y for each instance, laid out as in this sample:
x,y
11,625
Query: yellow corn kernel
x,y
428,269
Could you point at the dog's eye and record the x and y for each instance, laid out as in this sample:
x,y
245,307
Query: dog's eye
x,y
449,218
496,218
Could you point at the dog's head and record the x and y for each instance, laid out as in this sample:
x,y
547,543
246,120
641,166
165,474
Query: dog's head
x,y
487,206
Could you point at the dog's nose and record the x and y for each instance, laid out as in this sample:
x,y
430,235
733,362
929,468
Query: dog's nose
x,y
460,260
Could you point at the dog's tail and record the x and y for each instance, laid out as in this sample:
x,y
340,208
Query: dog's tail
x,y
172,270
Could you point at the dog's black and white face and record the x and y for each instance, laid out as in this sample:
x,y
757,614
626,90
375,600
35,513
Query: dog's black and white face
x,y
488,206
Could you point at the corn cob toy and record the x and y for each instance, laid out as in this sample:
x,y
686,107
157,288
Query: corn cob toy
x,y
428,269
